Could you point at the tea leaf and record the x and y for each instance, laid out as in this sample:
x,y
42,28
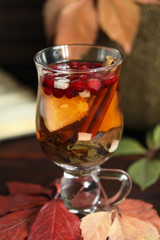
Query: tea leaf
x,y
144,172
120,21
77,23
129,146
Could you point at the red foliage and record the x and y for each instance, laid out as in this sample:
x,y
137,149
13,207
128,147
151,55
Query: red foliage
x,y
32,211
54,221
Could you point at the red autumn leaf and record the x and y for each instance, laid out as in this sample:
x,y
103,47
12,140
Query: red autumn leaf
x,y
51,11
77,23
15,226
31,189
19,202
55,222
119,19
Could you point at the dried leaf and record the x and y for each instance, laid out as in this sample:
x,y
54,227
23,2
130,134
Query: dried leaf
x,y
120,21
148,1
15,187
51,11
141,210
129,228
15,226
19,202
100,225
77,23
55,222
96,226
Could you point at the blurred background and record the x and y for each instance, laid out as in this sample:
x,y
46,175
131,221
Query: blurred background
x,y
22,35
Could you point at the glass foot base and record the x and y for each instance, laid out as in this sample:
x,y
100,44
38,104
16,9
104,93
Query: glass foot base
x,y
83,193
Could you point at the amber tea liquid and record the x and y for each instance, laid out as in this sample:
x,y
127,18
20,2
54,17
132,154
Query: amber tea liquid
x,y
79,116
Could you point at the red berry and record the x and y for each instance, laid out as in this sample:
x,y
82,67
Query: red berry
x,y
72,77
48,83
87,64
74,65
98,75
83,67
58,93
47,91
69,93
77,86
83,76
96,65
63,66
93,85
107,81
49,75
54,66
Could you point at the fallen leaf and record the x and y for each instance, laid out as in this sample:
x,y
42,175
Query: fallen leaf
x,y
148,2
12,203
55,222
15,226
141,210
112,226
51,10
120,21
96,226
77,23
15,187
129,228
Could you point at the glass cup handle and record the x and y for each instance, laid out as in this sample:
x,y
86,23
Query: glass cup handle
x,y
120,175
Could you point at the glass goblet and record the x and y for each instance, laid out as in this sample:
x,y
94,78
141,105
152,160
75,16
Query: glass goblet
x,y
79,120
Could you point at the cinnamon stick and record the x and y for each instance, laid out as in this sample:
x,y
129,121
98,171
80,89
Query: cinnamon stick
x,y
103,108
98,110
92,111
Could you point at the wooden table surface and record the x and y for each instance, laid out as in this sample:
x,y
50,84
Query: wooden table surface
x,y
23,160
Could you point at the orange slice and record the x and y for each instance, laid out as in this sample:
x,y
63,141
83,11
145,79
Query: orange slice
x,y
60,112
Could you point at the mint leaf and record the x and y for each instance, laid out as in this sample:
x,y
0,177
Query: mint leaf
x,y
153,138
144,172
129,146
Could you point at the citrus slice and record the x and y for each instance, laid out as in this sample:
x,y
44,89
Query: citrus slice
x,y
60,112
